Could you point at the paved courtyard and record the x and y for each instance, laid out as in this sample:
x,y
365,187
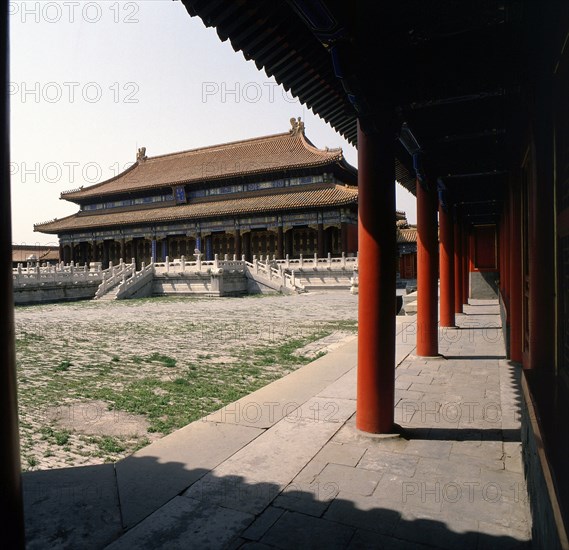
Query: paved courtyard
x,y
285,467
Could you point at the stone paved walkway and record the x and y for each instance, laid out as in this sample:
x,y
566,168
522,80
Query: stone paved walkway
x,y
286,468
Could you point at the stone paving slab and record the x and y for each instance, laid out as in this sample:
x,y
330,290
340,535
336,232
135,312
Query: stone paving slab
x,y
265,464
293,531
185,523
364,539
365,512
263,523
347,478
270,404
71,507
164,469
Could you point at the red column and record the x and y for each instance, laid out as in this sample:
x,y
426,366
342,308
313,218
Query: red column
x,y
542,276
446,258
501,246
516,277
466,264
376,272
344,237
280,243
238,243
427,263
505,252
320,243
457,268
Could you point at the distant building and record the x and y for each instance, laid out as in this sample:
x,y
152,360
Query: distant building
x,y
407,248
22,254
272,195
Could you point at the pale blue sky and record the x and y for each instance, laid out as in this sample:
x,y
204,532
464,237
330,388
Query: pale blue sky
x,y
92,81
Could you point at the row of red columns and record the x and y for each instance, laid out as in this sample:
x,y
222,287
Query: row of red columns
x,y
376,271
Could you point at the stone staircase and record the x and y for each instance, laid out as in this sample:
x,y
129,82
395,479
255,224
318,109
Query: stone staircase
x,y
113,277
274,278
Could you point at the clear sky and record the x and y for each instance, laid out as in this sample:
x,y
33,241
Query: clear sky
x,y
93,81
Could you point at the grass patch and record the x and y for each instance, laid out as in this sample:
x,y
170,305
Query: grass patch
x,y
110,444
63,366
166,360
203,388
284,354
59,437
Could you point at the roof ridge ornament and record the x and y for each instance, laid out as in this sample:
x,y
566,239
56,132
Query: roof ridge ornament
x,y
141,154
297,126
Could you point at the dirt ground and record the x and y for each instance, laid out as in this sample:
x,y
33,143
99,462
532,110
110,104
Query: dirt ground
x,y
98,380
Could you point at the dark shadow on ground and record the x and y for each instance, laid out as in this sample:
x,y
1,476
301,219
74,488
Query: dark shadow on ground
x,y
473,327
479,314
461,434
474,357
80,508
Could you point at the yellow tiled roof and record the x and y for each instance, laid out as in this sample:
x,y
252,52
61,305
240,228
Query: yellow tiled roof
x,y
21,253
302,197
407,235
259,155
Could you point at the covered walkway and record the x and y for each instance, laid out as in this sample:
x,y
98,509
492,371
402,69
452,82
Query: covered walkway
x,y
285,467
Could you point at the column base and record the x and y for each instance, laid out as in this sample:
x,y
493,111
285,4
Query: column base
x,y
396,433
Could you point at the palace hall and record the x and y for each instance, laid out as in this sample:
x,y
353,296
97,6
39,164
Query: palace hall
x,y
271,195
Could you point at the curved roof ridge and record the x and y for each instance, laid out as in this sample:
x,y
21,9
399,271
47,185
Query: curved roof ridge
x,y
81,188
337,151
